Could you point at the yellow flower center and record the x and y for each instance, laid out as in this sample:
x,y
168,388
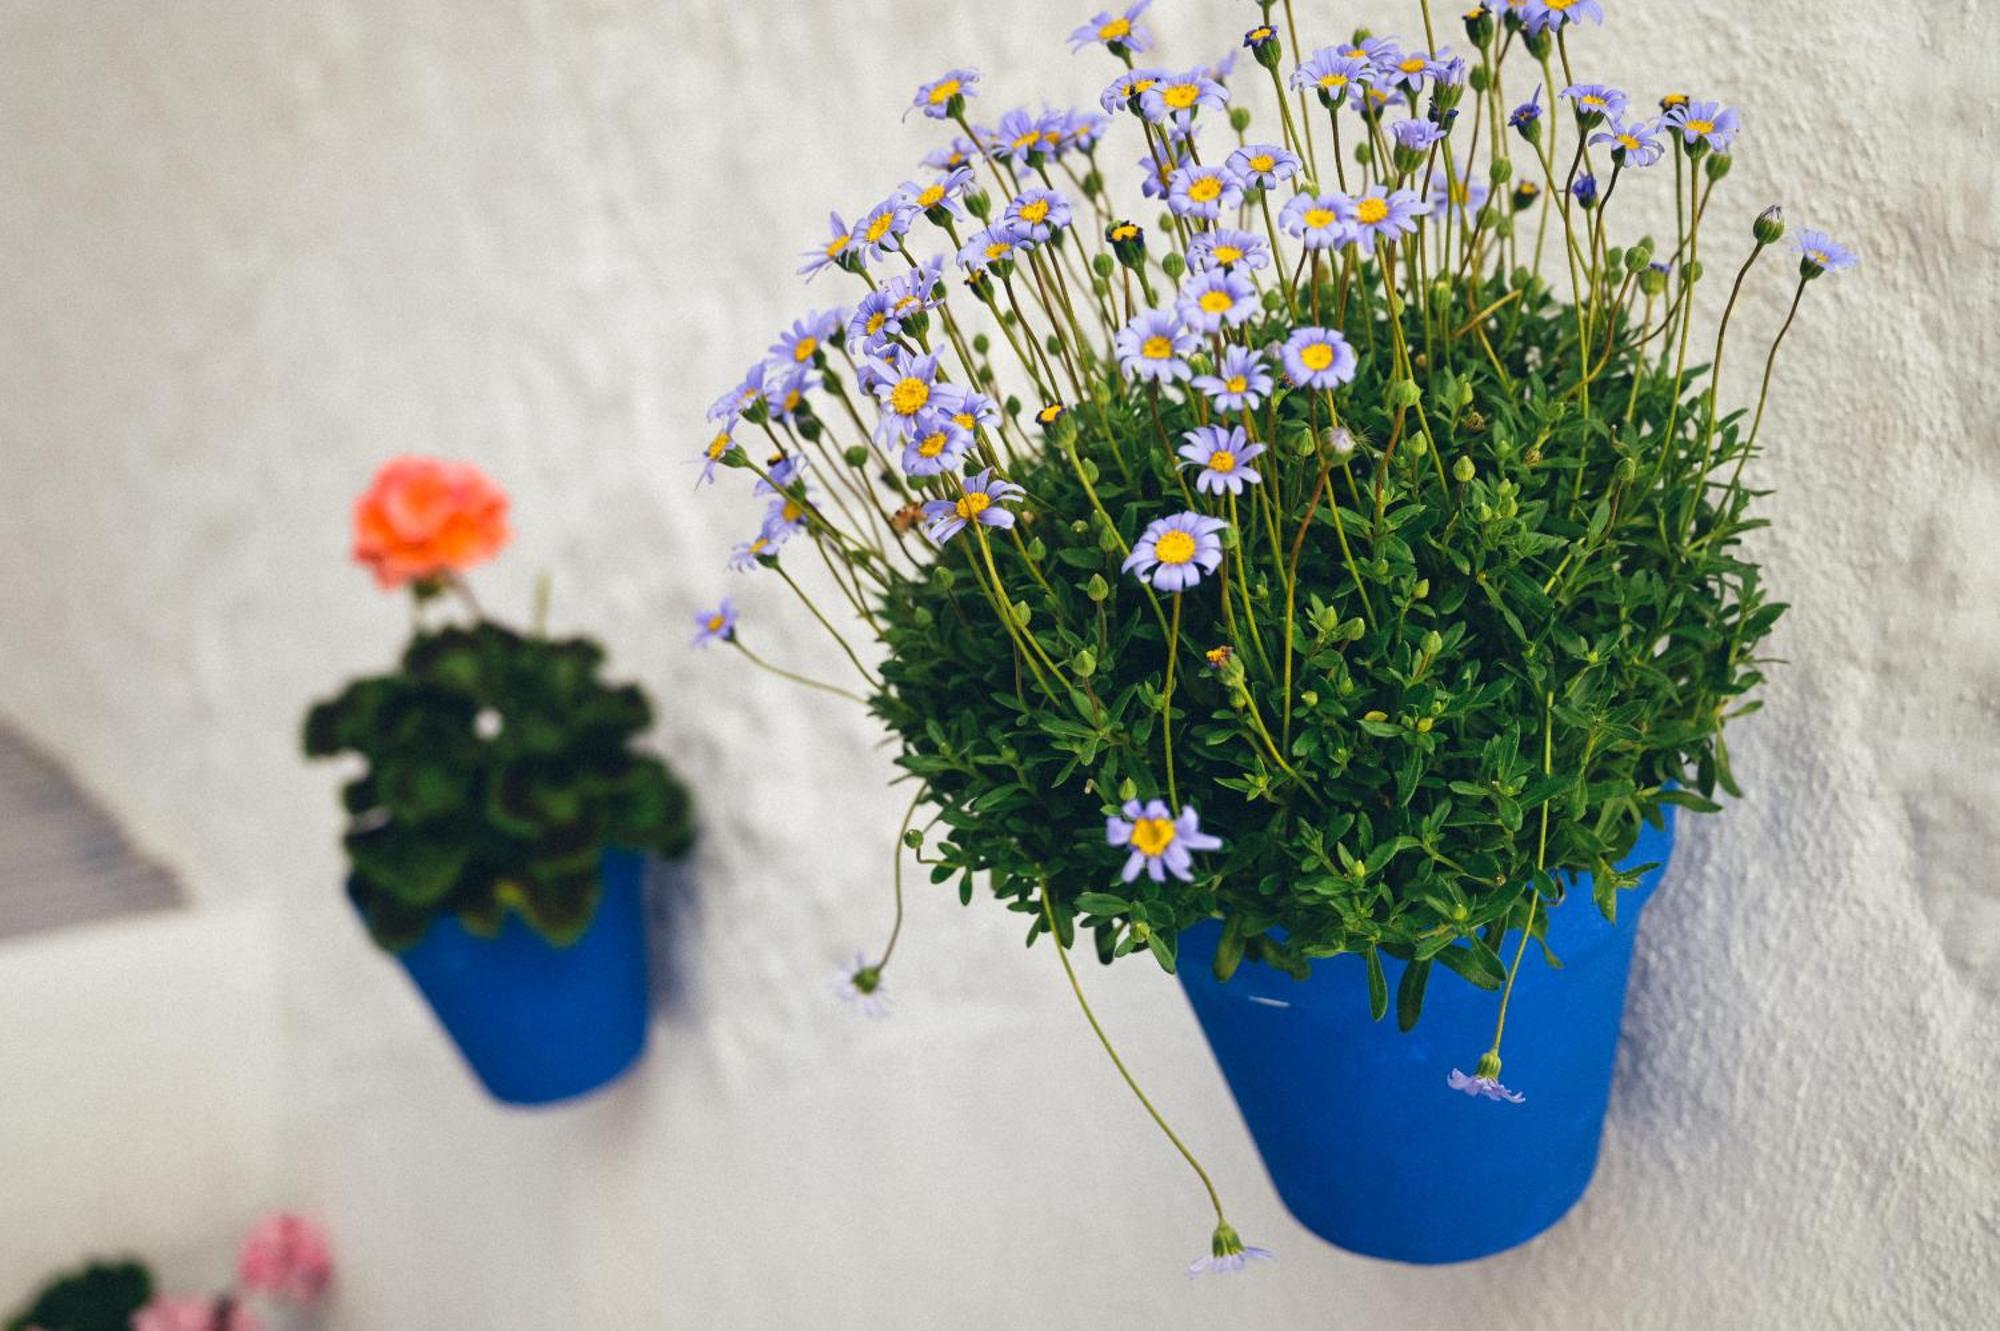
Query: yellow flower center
x,y
930,197
1316,355
1125,231
903,303
1674,99
908,396
1263,162
931,445
1036,210
1412,64
1028,140
944,91
1318,217
1157,348
835,246
876,320
1819,258
1333,80
1205,189
1261,33
1560,6
998,250
1050,414
1181,96
1140,85
1228,254
965,420
791,511
803,349
1628,143
1236,383
1221,460
792,400
880,226
1176,547
1152,836
757,546
716,621
718,446
973,503
1215,302
1701,126
1371,210
1117,30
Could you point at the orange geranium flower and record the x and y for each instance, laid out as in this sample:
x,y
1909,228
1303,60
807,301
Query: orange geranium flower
x,y
422,518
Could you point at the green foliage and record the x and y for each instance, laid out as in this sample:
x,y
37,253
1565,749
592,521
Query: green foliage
x,y
1545,622
102,1296
498,768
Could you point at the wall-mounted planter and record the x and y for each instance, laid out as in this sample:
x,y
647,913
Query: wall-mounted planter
x,y
539,1023
1365,1143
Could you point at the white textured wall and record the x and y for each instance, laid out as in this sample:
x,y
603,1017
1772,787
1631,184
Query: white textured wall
x,y
251,248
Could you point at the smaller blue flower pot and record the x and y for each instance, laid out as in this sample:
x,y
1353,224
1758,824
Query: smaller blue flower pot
x,y
540,1023
1362,1138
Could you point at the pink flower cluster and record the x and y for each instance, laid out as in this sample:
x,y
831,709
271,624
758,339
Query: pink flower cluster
x,y
285,1258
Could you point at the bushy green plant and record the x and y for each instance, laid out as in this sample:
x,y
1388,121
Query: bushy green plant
x,y
499,766
101,1296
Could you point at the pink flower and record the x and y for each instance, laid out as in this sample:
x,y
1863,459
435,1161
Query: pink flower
x,y
193,1312
286,1257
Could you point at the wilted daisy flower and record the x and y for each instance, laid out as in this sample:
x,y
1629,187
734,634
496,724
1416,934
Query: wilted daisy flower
x,y
1036,214
979,502
1227,1255
1318,220
783,472
1174,552
1461,192
862,988
1215,299
1018,139
1240,381
1082,129
1115,30
1593,102
1153,347
1527,117
1821,253
1710,124
934,99
1378,213
937,444
1224,459
961,151
1263,165
1584,191
939,197
1484,1085
1180,95
1635,144
1548,15
715,625
1161,844
1335,76
830,252
987,247
881,227
1318,358
1133,83
746,554
1203,191
740,398
712,454
802,341
1226,247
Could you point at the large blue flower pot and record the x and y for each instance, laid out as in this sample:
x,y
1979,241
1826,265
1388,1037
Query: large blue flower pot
x,y
1364,1141
537,1022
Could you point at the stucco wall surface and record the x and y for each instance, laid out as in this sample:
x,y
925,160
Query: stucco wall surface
x,y
253,248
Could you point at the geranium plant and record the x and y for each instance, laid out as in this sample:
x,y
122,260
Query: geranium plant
x,y
1278,545
498,763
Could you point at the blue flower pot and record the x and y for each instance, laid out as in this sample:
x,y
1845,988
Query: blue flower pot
x,y
1362,1138
540,1023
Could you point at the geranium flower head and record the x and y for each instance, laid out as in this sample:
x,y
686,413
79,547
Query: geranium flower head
x,y
1160,843
287,1257
1174,552
421,518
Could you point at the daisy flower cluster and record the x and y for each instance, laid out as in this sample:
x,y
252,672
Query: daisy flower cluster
x,y
1287,488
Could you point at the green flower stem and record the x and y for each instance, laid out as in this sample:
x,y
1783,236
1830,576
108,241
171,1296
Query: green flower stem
x,y
902,833
1292,28
827,624
1062,954
759,661
1763,395
1005,605
1534,891
1715,384
1167,702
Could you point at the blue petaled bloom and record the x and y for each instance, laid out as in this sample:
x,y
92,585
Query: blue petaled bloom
x,y
1154,347
1054,127
1335,75
740,398
783,470
786,393
1416,135
940,196
879,316
1115,30
1584,191
747,553
979,502
1160,167
974,410
1160,843
1378,213
1636,144
983,249
712,454
1036,214
1489,1087
1216,298
908,388
1409,69
1082,129
934,98
1240,381
1018,139
1174,552
830,252
715,625
1226,247
937,443
1527,113
1133,83
961,151
1263,165
1708,123
881,228
1224,459
1460,192
1180,95
1549,15
798,344
1594,102
1203,191
1318,358
1821,253
1318,220
783,519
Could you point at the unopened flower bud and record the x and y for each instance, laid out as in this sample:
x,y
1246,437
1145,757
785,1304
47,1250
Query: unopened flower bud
x,y
1479,25
1336,440
1239,118
1769,228
1718,165
1173,266
1501,171
1463,470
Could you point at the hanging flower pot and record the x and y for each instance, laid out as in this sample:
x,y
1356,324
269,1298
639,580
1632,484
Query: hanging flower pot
x,y
499,774
1349,1112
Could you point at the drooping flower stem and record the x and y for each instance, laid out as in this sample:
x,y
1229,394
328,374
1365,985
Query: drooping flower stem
x,y
1714,385
902,836
826,624
760,662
